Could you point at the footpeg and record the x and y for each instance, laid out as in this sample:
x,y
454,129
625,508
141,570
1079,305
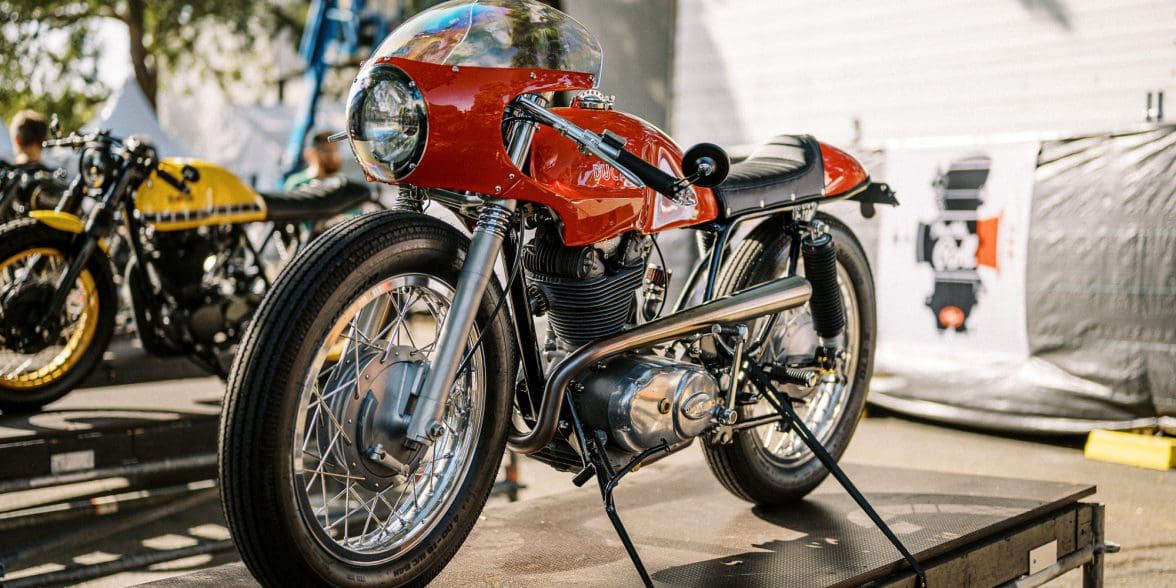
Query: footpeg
x,y
584,475
796,376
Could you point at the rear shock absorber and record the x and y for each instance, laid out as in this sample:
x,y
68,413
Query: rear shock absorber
x,y
820,268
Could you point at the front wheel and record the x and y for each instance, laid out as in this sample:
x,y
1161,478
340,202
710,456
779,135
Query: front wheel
x,y
767,465
43,358
322,391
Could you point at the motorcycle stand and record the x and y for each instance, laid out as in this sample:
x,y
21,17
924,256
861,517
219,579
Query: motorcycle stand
x,y
598,466
789,418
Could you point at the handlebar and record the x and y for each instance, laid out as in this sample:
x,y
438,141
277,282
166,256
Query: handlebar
x,y
611,149
76,141
653,176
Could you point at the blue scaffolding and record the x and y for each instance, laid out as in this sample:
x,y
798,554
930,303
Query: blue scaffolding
x,y
336,31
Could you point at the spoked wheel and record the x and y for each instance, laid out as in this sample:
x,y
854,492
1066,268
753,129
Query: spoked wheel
x,y
766,464
363,509
823,405
42,358
317,482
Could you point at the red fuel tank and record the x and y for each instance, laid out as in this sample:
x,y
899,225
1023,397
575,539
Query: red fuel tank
x,y
593,199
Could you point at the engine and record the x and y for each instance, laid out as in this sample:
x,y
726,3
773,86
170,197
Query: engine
x,y
640,399
644,401
588,292
204,270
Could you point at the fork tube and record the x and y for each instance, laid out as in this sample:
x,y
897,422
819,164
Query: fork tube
x,y
97,226
493,223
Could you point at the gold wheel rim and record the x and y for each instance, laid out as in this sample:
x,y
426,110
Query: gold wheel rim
x,y
83,298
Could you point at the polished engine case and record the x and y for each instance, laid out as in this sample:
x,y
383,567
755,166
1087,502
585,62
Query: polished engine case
x,y
643,401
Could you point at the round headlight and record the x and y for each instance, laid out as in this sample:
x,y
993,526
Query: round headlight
x,y
387,122
95,163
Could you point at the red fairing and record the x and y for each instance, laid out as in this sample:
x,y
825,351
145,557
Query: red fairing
x,y
593,199
844,175
464,149
464,152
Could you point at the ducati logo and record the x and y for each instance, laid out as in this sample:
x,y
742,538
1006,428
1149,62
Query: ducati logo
x,y
603,175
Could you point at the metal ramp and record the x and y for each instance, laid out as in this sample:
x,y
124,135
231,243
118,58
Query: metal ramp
x,y
129,431
968,531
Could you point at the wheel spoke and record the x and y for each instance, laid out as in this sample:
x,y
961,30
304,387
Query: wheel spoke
x,y
356,508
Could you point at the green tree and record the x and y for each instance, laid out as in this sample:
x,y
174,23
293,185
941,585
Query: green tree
x,y
49,48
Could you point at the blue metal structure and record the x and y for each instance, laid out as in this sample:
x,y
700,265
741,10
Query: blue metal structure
x,y
335,30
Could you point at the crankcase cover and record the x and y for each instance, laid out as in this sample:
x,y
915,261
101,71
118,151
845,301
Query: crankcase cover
x,y
643,401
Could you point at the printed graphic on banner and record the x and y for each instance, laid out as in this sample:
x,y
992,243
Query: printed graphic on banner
x,y
952,257
958,242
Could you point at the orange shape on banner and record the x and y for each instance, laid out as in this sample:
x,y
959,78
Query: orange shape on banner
x,y
987,231
951,317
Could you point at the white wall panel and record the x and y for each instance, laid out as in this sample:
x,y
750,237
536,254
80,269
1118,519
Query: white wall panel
x,y
747,69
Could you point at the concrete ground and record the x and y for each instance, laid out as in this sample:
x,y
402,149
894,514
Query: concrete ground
x,y
1141,504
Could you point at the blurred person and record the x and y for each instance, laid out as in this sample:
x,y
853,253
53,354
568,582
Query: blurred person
x,y
29,129
322,161
29,184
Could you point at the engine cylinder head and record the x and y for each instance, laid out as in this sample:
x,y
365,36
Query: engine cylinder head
x,y
590,291
582,311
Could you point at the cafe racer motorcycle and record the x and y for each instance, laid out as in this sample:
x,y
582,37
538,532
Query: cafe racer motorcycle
x,y
393,361
194,273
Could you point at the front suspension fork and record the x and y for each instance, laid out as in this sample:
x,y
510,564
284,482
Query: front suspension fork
x,y
493,224
476,272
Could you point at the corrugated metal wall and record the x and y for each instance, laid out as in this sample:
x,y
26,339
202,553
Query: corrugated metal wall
x,y
747,69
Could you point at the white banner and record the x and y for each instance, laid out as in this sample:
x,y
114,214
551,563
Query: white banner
x,y
951,258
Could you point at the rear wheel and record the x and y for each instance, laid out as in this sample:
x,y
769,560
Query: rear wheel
x,y
322,389
37,364
765,464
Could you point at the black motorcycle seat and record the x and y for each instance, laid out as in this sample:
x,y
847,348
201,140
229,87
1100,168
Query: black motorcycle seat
x,y
317,200
785,170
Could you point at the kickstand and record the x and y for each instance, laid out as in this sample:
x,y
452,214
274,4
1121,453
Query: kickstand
x,y
783,404
608,480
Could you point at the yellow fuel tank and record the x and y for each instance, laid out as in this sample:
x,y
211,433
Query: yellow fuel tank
x,y
218,197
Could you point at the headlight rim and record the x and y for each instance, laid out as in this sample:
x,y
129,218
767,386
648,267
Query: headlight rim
x,y
360,145
93,181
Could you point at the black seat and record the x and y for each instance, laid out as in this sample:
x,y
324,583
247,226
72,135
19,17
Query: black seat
x,y
316,200
786,170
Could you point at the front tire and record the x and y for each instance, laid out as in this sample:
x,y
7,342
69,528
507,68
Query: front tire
x,y
303,503
767,466
32,257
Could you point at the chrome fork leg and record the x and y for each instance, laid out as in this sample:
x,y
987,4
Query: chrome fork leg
x,y
475,276
476,271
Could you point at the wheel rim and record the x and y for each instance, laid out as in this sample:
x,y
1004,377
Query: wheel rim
x,y
79,319
360,511
824,406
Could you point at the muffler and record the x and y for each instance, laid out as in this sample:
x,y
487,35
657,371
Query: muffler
x,y
769,298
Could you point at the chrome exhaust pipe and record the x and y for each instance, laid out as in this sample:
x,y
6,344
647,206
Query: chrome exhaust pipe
x,y
769,298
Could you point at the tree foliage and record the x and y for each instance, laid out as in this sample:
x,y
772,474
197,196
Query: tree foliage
x,y
49,48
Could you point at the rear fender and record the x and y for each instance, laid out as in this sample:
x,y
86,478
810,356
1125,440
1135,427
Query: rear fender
x,y
875,193
62,221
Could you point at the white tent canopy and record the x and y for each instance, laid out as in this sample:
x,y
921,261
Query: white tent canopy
x,y
127,113
250,140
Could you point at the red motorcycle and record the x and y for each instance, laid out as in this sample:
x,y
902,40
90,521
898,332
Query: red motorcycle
x,y
391,364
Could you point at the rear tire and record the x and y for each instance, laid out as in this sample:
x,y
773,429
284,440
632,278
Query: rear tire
x,y
82,350
746,466
263,496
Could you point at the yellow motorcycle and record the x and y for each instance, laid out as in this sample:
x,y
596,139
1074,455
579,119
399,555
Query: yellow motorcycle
x,y
201,250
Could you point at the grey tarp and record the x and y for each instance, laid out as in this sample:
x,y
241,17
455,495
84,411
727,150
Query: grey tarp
x,y
1100,300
